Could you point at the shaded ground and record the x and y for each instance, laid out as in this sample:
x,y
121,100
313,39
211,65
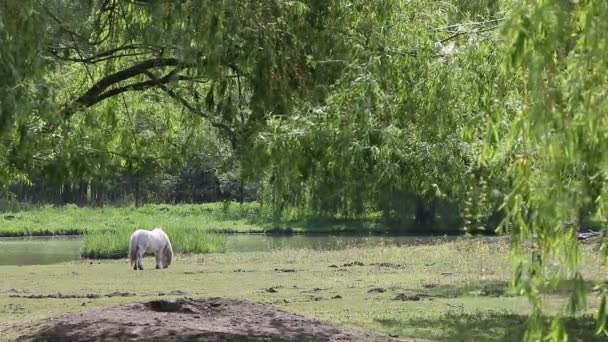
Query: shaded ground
x,y
214,319
492,326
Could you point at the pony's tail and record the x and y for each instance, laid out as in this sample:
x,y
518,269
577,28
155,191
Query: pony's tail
x,y
132,252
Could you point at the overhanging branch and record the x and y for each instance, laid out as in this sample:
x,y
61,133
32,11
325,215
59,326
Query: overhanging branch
x,y
98,92
170,77
119,52
158,82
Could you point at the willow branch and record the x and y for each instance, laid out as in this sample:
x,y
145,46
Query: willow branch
x,y
118,52
96,93
186,104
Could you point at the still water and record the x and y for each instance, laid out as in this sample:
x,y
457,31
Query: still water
x,y
39,250
50,250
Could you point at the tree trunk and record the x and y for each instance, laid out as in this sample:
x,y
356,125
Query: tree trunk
x,y
137,193
241,191
425,214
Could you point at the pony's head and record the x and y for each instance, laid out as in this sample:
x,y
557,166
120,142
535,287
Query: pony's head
x,y
167,254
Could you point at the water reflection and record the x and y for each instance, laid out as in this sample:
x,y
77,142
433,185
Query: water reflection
x,y
51,250
39,250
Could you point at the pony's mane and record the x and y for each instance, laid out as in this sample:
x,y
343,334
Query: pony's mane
x,y
168,249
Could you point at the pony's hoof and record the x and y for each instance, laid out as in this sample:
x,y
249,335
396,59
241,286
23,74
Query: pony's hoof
x,y
157,267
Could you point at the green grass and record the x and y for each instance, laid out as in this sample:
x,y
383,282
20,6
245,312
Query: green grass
x,y
114,243
211,217
462,287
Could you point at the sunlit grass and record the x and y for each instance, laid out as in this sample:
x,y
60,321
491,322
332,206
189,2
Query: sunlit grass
x,y
221,217
458,291
71,219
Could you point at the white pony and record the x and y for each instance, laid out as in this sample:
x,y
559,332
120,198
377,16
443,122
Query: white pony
x,y
155,242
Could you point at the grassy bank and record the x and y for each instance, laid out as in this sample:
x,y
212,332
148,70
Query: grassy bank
x,y
455,291
210,217
114,243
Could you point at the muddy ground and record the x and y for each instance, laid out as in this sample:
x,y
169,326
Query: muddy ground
x,y
186,319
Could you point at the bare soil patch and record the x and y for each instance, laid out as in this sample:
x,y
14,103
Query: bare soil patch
x,y
186,319
66,296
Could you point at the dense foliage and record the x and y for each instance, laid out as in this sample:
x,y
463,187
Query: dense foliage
x,y
556,145
433,113
396,132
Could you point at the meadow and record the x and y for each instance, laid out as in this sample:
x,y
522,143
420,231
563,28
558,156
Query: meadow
x,y
450,291
220,217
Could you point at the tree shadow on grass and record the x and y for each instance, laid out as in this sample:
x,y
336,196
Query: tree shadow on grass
x,y
481,288
490,288
487,326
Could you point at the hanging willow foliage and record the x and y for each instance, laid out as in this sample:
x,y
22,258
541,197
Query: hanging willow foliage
x,y
400,129
556,146
232,64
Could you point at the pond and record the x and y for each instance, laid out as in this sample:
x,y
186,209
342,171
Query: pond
x,y
50,250
39,250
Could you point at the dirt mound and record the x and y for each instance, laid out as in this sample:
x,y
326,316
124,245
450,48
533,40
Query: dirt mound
x,y
213,319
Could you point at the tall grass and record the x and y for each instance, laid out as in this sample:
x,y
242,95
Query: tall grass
x,y
114,243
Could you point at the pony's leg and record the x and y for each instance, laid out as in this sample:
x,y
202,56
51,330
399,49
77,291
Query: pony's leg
x,y
158,260
135,261
140,259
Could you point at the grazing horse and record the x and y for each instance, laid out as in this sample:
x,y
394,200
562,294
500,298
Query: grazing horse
x,y
155,242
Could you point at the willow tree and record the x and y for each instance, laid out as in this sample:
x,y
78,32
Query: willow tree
x,y
398,131
555,147
231,64
20,66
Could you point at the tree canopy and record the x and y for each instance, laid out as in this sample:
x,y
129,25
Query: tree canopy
x,y
494,110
